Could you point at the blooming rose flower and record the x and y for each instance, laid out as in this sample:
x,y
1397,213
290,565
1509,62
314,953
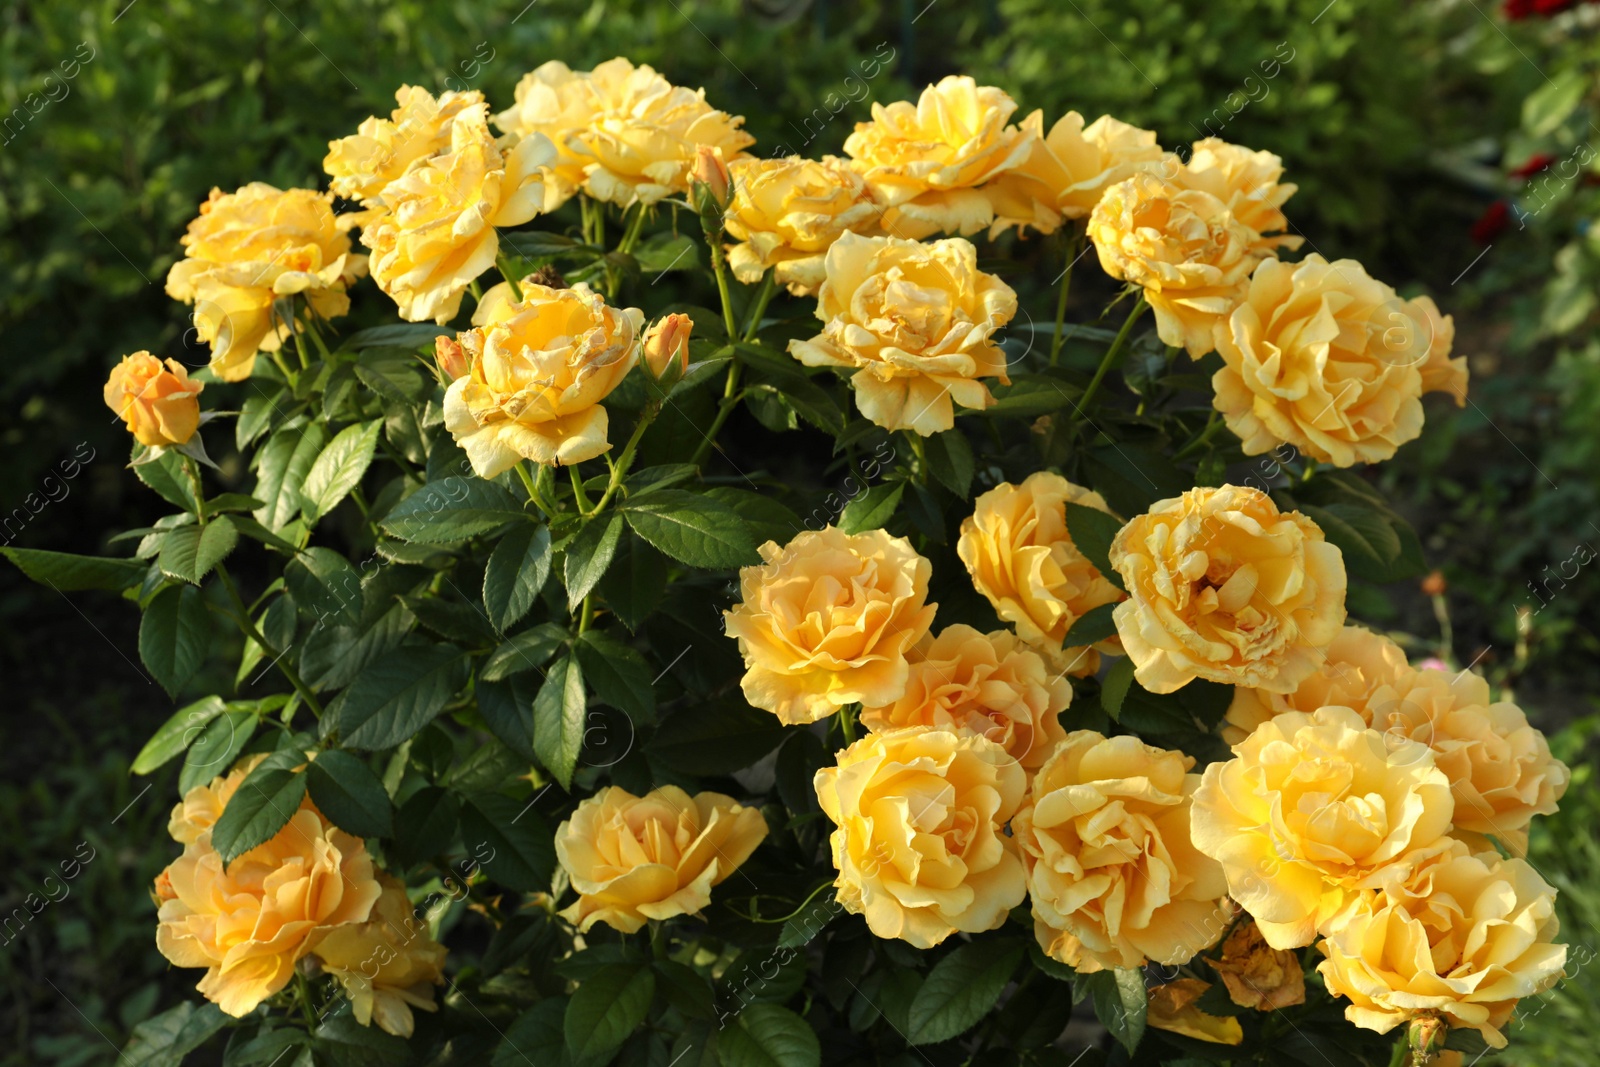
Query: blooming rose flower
x,y
249,248
381,150
1067,171
652,857
159,404
249,922
1440,373
987,684
1256,974
916,322
1313,813
925,160
1114,879
388,964
1171,1007
1323,357
1247,184
1463,939
1355,668
827,621
1021,557
203,805
788,212
439,232
538,370
920,846
1223,586
1183,246
561,103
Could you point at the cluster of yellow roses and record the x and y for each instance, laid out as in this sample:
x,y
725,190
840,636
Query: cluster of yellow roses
x,y
1357,805
310,892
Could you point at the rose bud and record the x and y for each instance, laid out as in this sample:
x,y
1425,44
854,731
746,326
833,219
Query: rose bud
x,y
666,348
452,360
159,403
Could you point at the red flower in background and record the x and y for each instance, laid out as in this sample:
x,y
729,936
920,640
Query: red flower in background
x,y
1492,223
1535,163
1521,9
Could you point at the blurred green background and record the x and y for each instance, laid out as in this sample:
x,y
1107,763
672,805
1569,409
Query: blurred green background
x,y
1409,125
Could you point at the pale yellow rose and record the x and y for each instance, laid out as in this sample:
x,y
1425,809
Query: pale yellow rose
x,y
920,846
1321,356
1257,975
382,150
1313,814
1022,559
157,402
1440,373
666,343
1223,586
1171,1007
988,684
1067,171
1462,941
916,322
537,371
249,922
1183,247
249,248
827,620
1246,182
561,103
439,232
388,964
203,805
788,212
925,160
1114,879
632,859
1355,667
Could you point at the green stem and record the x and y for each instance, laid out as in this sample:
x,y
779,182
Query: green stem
x,y
578,494
1311,468
803,906
193,470
254,634
921,453
1112,354
1073,248
720,270
510,276
1213,424
769,285
847,726
620,469
302,990
630,236
532,487
585,614
730,400
1398,1057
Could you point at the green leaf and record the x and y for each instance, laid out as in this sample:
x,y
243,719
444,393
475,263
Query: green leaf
x,y
247,525
218,745
1030,395
343,1042
518,568
527,651
67,573
767,519
347,791
635,582
665,251
1092,532
522,851
175,635
588,556
507,708
168,478
1119,1002
607,1007
1547,107
397,695
189,552
263,804
425,824
339,468
256,414
394,373
872,509
619,675
175,735
766,1035
950,459
692,529
229,502
716,738
961,989
325,586
412,335
453,510
558,720
1092,626
166,1039
281,468
1114,690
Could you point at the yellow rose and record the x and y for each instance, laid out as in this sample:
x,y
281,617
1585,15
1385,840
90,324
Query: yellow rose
x,y
916,322
1313,813
1223,586
249,922
159,404
388,964
252,247
1323,357
788,212
925,160
1021,557
827,621
920,846
382,150
988,684
667,343
1440,373
1355,668
652,857
1247,184
439,232
1463,941
1171,1008
560,103
1114,879
203,805
1067,171
1256,974
537,371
